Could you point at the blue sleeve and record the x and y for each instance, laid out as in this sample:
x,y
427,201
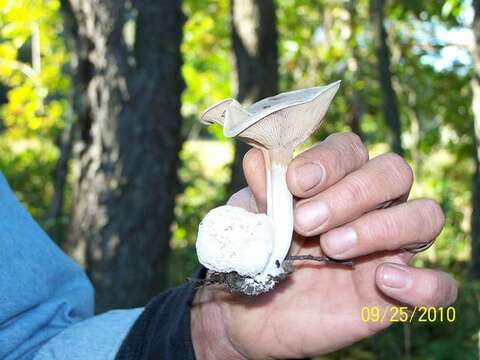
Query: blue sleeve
x,y
96,338
42,291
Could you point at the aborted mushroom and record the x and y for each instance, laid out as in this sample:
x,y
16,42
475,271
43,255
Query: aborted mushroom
x,y
275,125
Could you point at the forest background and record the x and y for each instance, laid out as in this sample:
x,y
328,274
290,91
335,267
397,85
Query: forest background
x,y
100,138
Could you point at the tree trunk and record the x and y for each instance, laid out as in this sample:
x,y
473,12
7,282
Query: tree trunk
x,y
254,38
126,153
355,98
475,243
55,212
389,99
80,70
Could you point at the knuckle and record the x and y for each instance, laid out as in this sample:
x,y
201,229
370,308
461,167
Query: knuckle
x,y
440,289
345,139
362,151
335,136
352,137
358,147
434,216
355,191
331,158
399,170
453,293
433,291
348,147
335,157
388,230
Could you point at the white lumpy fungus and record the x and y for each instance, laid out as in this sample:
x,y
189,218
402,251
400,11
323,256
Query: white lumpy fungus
x,y
233,239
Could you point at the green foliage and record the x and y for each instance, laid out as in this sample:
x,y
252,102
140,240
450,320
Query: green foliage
x,y
207,67
32,56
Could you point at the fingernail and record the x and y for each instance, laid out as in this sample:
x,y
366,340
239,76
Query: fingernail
x,y
311,215
395,276
339,241
309,175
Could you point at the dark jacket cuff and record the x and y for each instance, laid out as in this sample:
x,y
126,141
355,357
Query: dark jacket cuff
x,y
163,331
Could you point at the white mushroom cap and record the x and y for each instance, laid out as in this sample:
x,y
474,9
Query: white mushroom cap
x,y
282,121
286,119
215,114
233,239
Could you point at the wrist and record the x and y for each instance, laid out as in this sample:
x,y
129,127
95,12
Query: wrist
x,y
210,337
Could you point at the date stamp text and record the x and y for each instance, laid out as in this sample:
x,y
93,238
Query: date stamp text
x,y
404,314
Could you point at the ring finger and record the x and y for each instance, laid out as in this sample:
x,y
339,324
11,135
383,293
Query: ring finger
x,y
403,226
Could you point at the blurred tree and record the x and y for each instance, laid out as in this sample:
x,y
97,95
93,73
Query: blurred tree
x,y
475,222
77,99
356,101
254,40
391,113
126,150
206,155
55,215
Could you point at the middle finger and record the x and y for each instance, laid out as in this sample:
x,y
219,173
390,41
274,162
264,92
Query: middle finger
x,y
384,178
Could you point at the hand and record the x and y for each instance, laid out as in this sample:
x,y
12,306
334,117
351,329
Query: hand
x,y
347,208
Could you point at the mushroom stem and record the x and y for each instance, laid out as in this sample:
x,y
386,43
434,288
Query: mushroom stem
x,y
279,206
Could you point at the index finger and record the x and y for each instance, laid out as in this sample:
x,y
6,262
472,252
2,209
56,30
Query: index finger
x,y
254,170
324,164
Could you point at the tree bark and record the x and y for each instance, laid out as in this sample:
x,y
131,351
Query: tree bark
x,y
126,152
80,71
355,98
254,38
389,99
55,214
475,222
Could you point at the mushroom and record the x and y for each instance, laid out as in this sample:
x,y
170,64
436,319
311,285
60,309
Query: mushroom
x,y
275,125
233,239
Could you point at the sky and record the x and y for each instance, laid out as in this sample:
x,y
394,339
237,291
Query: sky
x,y
457,42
